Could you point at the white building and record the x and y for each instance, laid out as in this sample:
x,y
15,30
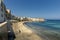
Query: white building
x,y
37,19
2,11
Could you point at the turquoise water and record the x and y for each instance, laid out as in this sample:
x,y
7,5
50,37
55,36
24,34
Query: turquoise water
x,y
49,24
49,30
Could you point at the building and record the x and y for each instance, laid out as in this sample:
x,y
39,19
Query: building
x,y
37,19
2,11
8,14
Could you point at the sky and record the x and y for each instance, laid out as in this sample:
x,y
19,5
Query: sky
x,y
49,9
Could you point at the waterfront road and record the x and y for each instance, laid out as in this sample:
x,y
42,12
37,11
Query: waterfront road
x,y
11,35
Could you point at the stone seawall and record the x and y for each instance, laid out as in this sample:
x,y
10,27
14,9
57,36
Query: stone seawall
x,y
3,31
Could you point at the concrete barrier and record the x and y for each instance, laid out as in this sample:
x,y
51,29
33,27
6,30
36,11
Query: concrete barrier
x,y
3,31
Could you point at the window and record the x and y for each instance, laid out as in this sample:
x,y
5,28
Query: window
x,y
1,9
1,15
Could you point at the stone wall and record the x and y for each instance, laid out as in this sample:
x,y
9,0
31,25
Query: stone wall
x,y
3,31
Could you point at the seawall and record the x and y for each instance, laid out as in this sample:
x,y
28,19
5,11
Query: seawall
x,y
3,31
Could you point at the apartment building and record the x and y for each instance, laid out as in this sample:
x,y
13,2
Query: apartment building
x,y
2,11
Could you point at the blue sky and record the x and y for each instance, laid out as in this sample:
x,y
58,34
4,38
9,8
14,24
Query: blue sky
x,y
49,9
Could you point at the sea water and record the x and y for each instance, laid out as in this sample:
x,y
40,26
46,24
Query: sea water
x,y
49,28
51,24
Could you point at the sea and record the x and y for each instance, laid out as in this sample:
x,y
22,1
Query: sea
x,y
48,30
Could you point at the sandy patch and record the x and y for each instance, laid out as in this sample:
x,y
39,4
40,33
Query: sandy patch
x,y
23,33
